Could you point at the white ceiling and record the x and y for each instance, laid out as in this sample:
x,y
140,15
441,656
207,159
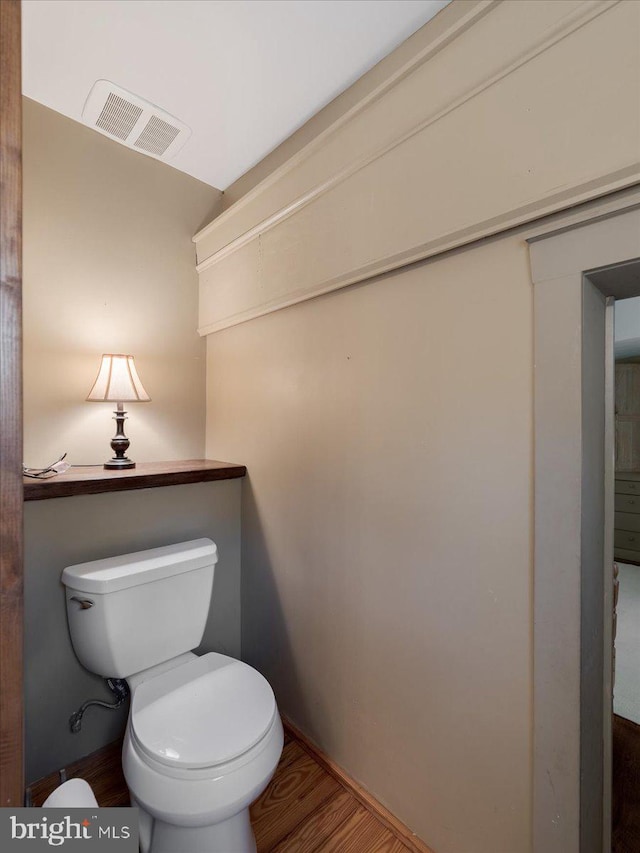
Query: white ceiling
x,y
243,74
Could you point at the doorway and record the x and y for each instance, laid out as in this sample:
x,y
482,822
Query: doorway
x,y
576,273
626,679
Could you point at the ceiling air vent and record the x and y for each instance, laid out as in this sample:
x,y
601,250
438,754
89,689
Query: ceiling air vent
x,y
136,123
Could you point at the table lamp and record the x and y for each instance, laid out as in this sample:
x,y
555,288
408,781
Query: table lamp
x,y
118,382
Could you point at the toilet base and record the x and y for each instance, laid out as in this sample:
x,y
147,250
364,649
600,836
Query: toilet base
x,y
233,835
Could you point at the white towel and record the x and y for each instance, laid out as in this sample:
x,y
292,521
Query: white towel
x,y
75,793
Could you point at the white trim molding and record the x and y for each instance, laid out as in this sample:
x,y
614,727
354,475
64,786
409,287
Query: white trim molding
x,y
439,38
465,141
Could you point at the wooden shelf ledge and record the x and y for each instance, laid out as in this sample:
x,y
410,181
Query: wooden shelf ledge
x,y
95,480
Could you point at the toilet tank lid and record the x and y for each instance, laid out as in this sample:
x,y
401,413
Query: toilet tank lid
x,y
127,570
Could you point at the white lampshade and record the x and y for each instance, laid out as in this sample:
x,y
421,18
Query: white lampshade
x,y
118,381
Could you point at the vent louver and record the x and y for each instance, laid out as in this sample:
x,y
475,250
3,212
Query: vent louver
x,y
133,121
157,136
118,117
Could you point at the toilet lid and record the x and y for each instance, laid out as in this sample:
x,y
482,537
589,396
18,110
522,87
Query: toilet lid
x,y
202,713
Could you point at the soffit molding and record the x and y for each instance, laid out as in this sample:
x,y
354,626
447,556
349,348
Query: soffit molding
x,y
569,24
477,9
558,218
238,278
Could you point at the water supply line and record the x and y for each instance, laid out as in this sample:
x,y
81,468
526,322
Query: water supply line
x,y
120,690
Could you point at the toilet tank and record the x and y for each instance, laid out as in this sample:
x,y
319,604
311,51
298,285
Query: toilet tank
x,y
131,612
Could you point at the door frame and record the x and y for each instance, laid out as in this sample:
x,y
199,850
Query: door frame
x,y
11,539
576,273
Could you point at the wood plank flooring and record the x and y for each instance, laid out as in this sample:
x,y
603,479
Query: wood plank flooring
x,y
308,809
305,809
102,770
626,786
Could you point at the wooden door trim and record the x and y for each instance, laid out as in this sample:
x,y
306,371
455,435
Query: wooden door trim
x,y
11,539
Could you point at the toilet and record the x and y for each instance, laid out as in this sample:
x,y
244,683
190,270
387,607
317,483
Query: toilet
x,y
204,735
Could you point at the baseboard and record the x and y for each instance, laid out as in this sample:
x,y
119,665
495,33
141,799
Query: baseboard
x,y
395,826
102,769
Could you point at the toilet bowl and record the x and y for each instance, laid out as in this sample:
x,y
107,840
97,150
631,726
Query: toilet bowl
x,y
202,742
204,736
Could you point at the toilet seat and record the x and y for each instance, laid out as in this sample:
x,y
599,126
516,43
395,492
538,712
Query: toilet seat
x,y
201,714
190,797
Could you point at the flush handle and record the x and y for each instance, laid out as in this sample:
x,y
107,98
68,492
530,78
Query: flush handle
x,y
85,603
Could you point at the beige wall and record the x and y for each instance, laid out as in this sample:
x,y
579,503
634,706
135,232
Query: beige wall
x,y
387,425
386,532
108,267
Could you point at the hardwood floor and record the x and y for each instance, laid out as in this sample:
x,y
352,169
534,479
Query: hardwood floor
x,y
102,770
305,809
625,836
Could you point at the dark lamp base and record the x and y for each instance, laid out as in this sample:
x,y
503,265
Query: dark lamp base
x,y
119,443
120,463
